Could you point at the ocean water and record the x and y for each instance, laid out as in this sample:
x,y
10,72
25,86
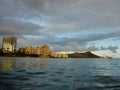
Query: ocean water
x,y
59,74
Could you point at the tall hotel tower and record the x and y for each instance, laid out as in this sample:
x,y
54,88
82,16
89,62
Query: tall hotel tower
x,y
9,44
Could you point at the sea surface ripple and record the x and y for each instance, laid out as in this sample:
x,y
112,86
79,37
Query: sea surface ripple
x,y
59,74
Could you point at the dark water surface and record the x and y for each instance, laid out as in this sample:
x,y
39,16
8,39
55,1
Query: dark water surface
x,y
59,74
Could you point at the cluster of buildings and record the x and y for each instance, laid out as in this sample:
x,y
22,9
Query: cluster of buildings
x,y
9,46
58,55
41,51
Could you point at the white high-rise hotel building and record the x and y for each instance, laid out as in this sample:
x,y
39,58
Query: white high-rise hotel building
x,y
9,44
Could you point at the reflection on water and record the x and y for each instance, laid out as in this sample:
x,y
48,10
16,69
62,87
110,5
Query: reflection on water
x,y
59,74
33,63
10,64
7,64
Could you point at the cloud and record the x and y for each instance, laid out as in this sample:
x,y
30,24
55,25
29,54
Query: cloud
x,y
83,40
113,48
92,48
75,47
87,13
74,43
64,24
68,14
17,27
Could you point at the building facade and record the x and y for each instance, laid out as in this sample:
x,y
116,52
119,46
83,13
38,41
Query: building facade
x,y
39,50
9,44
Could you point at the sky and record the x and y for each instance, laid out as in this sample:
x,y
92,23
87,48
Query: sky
x,y
65,25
